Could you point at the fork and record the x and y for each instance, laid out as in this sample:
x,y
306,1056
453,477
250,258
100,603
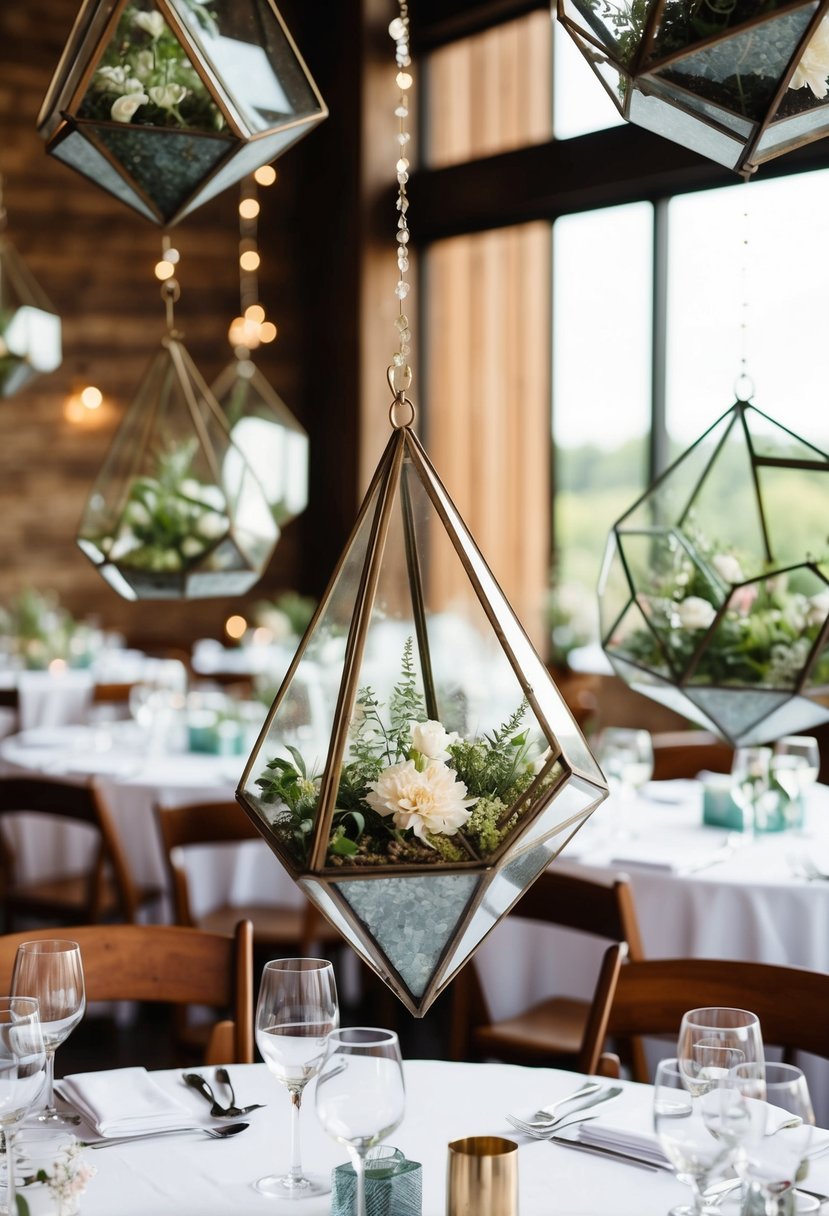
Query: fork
x,y
550,1124
538,1133
548,1112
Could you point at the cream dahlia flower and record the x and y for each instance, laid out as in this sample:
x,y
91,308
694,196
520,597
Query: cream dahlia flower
x,y
429,801
813,69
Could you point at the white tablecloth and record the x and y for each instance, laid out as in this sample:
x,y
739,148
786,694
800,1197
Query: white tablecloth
x,y
184,1176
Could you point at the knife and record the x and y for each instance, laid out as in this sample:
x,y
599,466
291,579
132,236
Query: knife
x,y
599,1151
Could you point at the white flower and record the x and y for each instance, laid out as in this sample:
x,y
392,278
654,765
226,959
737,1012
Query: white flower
x,y
695,613
432,801
818,609
725,564
813,68
167,96
124,108
152,24
212,526
431,739
115,79
144,65
191,546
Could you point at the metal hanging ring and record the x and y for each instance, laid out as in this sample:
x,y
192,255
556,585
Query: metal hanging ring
x,y
744,387
400,404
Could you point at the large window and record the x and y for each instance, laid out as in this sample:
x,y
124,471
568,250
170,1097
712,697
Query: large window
x,y
654,305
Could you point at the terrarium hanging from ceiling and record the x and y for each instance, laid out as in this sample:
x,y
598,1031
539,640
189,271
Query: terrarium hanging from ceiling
x,y
176,511
418,768
30,329
165,103
262,427
714,593
738,81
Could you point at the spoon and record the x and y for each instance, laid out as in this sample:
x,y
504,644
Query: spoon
x,y
215,1133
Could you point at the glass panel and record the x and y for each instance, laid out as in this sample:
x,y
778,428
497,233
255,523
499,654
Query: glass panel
x,y
491,92
735,711
576,799
614,589
614,24
412,919
713,275
30,333
579,106
145,77
761,56
167,165
790,133
75,149
250,156
302,716
267,435
668,120
631,638
697,106
246,48
602,303
794,718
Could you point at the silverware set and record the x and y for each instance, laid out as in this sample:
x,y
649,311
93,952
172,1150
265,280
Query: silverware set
x,y
219,1111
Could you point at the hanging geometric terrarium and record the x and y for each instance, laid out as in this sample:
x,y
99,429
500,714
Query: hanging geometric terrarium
x,y
268,436
714,592
30,331
418,768
166,103
176,512
739,82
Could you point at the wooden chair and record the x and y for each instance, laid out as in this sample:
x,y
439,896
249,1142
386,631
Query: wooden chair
x,y
684,753
300,929
553,1029
166,963
106,889
643,997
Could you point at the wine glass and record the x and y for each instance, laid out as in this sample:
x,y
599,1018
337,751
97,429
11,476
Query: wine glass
x,y
693,1132
714,1040
750,777
22,1074
626,756
296,1010
777,1129
51,971
794,766
360,1095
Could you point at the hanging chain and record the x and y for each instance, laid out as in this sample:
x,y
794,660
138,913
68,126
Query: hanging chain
x,y
165,271
400,374
744,385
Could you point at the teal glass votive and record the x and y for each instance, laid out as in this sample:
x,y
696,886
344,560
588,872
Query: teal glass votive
x,y
721,811
394,1186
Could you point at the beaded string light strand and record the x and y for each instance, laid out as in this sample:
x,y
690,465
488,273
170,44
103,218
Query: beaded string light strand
x,y
251,328
400,374
744,386
165,272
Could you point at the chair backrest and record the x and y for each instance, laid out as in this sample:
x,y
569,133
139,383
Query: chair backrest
x,y
169,963
602,907
650,997
82,804
684,753
198,823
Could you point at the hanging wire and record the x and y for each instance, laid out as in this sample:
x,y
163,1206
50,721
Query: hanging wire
x,y
744,385
165,271
400,374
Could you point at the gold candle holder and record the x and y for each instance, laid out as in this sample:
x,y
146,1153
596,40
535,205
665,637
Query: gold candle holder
x,y
482,1176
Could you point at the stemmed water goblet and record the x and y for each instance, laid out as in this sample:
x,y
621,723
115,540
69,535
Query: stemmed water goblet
x,y
795,764
360,1094
296,1011
694,1129
626,756
713,1040
22,1075
774,1147
51,971
750,779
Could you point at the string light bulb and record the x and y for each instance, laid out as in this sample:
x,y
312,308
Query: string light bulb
x,y
251,328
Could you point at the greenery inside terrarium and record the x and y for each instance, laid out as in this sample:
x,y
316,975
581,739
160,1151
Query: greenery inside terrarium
x,y
170,518
410,792
145,78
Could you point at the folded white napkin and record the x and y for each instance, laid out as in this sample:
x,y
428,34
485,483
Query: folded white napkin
x,y
123,1101
641,1145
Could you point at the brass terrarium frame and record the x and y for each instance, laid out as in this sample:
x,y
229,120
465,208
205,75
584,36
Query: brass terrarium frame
x,y
662,522
228,155
565,791
677,92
